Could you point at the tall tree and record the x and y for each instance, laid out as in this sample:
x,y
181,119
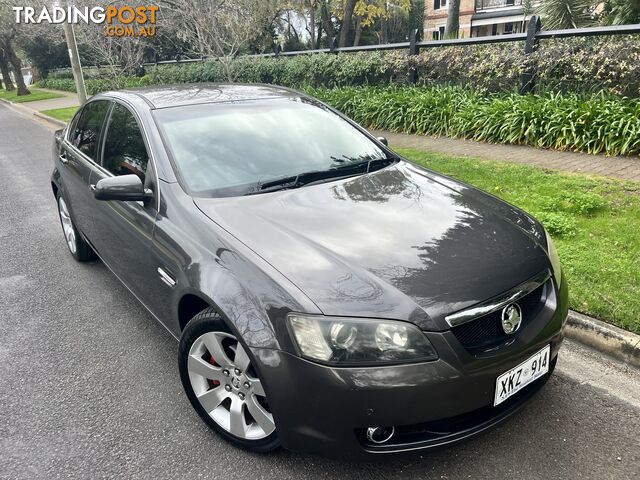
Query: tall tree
x,y
219,28
8,34
451,30
383,13
565,14
327,20
345,27
4,70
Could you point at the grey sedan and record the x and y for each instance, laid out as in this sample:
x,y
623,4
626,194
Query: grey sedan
x,y
328,295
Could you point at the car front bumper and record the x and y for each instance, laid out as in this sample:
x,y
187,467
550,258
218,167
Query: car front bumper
x,y
325,410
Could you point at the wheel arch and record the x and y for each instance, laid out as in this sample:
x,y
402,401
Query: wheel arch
x,y
189,306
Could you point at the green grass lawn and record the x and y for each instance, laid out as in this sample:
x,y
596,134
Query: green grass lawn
x,y
36,95
595,224
64,114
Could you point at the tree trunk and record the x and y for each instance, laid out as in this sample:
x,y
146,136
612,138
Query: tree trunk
x,y
326,22
384,27
17,67
4,69
356,40
312,30
453,20
345,28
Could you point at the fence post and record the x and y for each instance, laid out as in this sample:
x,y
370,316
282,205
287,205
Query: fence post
x,y
528,77
332,45
277,49
413,51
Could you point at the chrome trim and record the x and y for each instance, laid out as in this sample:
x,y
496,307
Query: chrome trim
x,y
498,302
166,278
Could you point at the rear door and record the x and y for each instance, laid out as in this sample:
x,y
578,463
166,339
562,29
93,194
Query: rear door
x,y
78,155
122,231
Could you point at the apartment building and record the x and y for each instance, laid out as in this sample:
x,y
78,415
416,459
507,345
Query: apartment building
x,y
478,18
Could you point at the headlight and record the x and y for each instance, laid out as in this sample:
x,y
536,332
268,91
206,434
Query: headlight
x,y
554,258
354,341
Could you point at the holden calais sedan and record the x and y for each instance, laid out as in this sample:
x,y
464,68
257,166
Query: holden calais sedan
x,y
328,295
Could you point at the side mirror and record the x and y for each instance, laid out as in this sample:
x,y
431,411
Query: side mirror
x,y
383,141
127,188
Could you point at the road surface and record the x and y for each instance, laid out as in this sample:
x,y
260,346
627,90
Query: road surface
x,y
89,386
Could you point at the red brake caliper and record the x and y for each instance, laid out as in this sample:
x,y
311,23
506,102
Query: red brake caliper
x,y
213,383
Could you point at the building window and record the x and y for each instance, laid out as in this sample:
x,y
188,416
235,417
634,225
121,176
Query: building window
x,y
438,4
438,34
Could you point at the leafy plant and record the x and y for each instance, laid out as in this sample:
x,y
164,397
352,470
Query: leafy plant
x,y
592,124
563,14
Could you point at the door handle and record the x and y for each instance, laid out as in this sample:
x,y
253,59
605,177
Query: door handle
x,y
92,187
63,158
166,278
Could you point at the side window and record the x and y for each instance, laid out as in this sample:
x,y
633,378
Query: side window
x,y
124,148
86,129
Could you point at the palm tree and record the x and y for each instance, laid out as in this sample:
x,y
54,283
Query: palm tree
x,y
564,14
622,12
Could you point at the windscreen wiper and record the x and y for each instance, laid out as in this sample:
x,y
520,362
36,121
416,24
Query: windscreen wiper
x,y
319,176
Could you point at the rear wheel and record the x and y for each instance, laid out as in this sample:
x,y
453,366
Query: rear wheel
x,y
77,245
223,386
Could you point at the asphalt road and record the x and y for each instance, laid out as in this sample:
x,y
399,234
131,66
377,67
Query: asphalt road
x,y
89,386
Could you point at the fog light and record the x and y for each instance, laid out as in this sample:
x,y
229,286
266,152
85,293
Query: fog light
x,y
380,434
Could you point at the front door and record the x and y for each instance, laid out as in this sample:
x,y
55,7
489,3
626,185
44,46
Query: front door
x,y
121,232
79,155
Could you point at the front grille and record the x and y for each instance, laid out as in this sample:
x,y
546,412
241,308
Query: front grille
x,y
485,333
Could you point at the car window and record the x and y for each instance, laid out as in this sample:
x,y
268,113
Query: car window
x,y
216,146
86,130
124,148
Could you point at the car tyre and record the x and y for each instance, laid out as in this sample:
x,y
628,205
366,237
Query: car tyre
x,y
222,385
77,245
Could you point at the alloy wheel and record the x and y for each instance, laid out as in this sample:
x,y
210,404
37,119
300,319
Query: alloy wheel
x,y
67,226
227,386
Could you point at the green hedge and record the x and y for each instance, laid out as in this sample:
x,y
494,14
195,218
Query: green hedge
x,y
94,86
584,64
587,123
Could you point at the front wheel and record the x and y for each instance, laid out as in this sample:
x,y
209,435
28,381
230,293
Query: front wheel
x,y
222,385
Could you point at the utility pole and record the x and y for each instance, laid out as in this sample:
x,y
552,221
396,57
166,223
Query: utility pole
x,y
74,57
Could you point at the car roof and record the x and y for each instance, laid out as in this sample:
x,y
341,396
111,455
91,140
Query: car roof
x,y
194,93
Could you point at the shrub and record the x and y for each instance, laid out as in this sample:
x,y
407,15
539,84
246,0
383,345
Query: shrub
x,y
94,86
593,124
585,64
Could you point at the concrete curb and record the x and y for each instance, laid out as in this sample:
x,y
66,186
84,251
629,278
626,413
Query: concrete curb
x,y
53,121
29,111
608,339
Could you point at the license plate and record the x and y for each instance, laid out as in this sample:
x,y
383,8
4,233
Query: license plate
x,y
511,382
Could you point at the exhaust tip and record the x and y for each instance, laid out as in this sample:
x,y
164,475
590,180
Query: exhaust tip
x,y
380,435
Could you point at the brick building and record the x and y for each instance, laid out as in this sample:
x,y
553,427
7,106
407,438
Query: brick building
x,y
478,18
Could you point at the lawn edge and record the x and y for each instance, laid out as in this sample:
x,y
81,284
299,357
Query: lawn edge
x,y
53,121
604,337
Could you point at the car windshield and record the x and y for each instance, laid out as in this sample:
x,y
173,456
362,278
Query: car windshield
x,y
232,149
